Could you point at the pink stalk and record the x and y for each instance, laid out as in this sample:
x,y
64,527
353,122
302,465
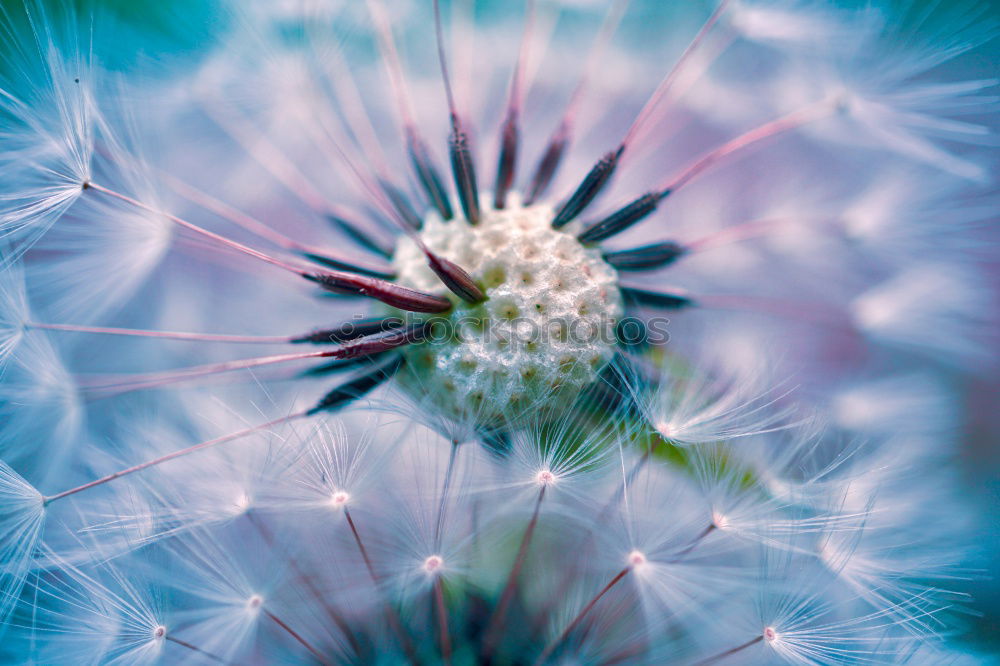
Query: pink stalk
x,y
352,107
803,310
587,543
597,49
393,618
547,652
332,145
123,383
390,56
509,135
239,247
308,581
791,121
272,159
694,542
442,619
168,335
442,506
193,648
171,456
500,612
737,232
231,214
298,637
255,226
668,81
562,135
730,652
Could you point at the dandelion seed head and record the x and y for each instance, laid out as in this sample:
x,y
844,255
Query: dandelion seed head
x,y
160,632
637,559
544,332
255,602
770,634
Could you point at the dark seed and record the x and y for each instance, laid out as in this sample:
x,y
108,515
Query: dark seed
x,y
395,295
354,232
621,219
507,161
547,167
428,175
346,266
657,299
646,257
455,278
402,205
591,186
357,387
464,171
350,330
340,365
381,342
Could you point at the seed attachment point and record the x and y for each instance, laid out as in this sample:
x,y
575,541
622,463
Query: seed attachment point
x,y
433,564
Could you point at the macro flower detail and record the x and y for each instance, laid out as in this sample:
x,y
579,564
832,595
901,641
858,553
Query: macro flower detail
x,y
544,330
488,332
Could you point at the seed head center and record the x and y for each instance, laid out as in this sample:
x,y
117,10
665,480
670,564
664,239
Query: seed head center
x,y
545,331
433,564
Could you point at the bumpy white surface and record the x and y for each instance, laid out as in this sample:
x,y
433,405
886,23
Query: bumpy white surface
x,y
537,341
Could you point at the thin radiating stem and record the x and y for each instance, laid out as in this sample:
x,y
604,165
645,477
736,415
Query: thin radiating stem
x,y
694,542
587,543
239,247
786,123
462,165
307,580
172,456
444,635
500,612
298,637
443,60
668,81
353,348
547,652
729,652
194,648
337,281
510,134
445,487
600,174
169,335
563,133
739,232
270,157
258,228
644,206
391,615
420,157
124,383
